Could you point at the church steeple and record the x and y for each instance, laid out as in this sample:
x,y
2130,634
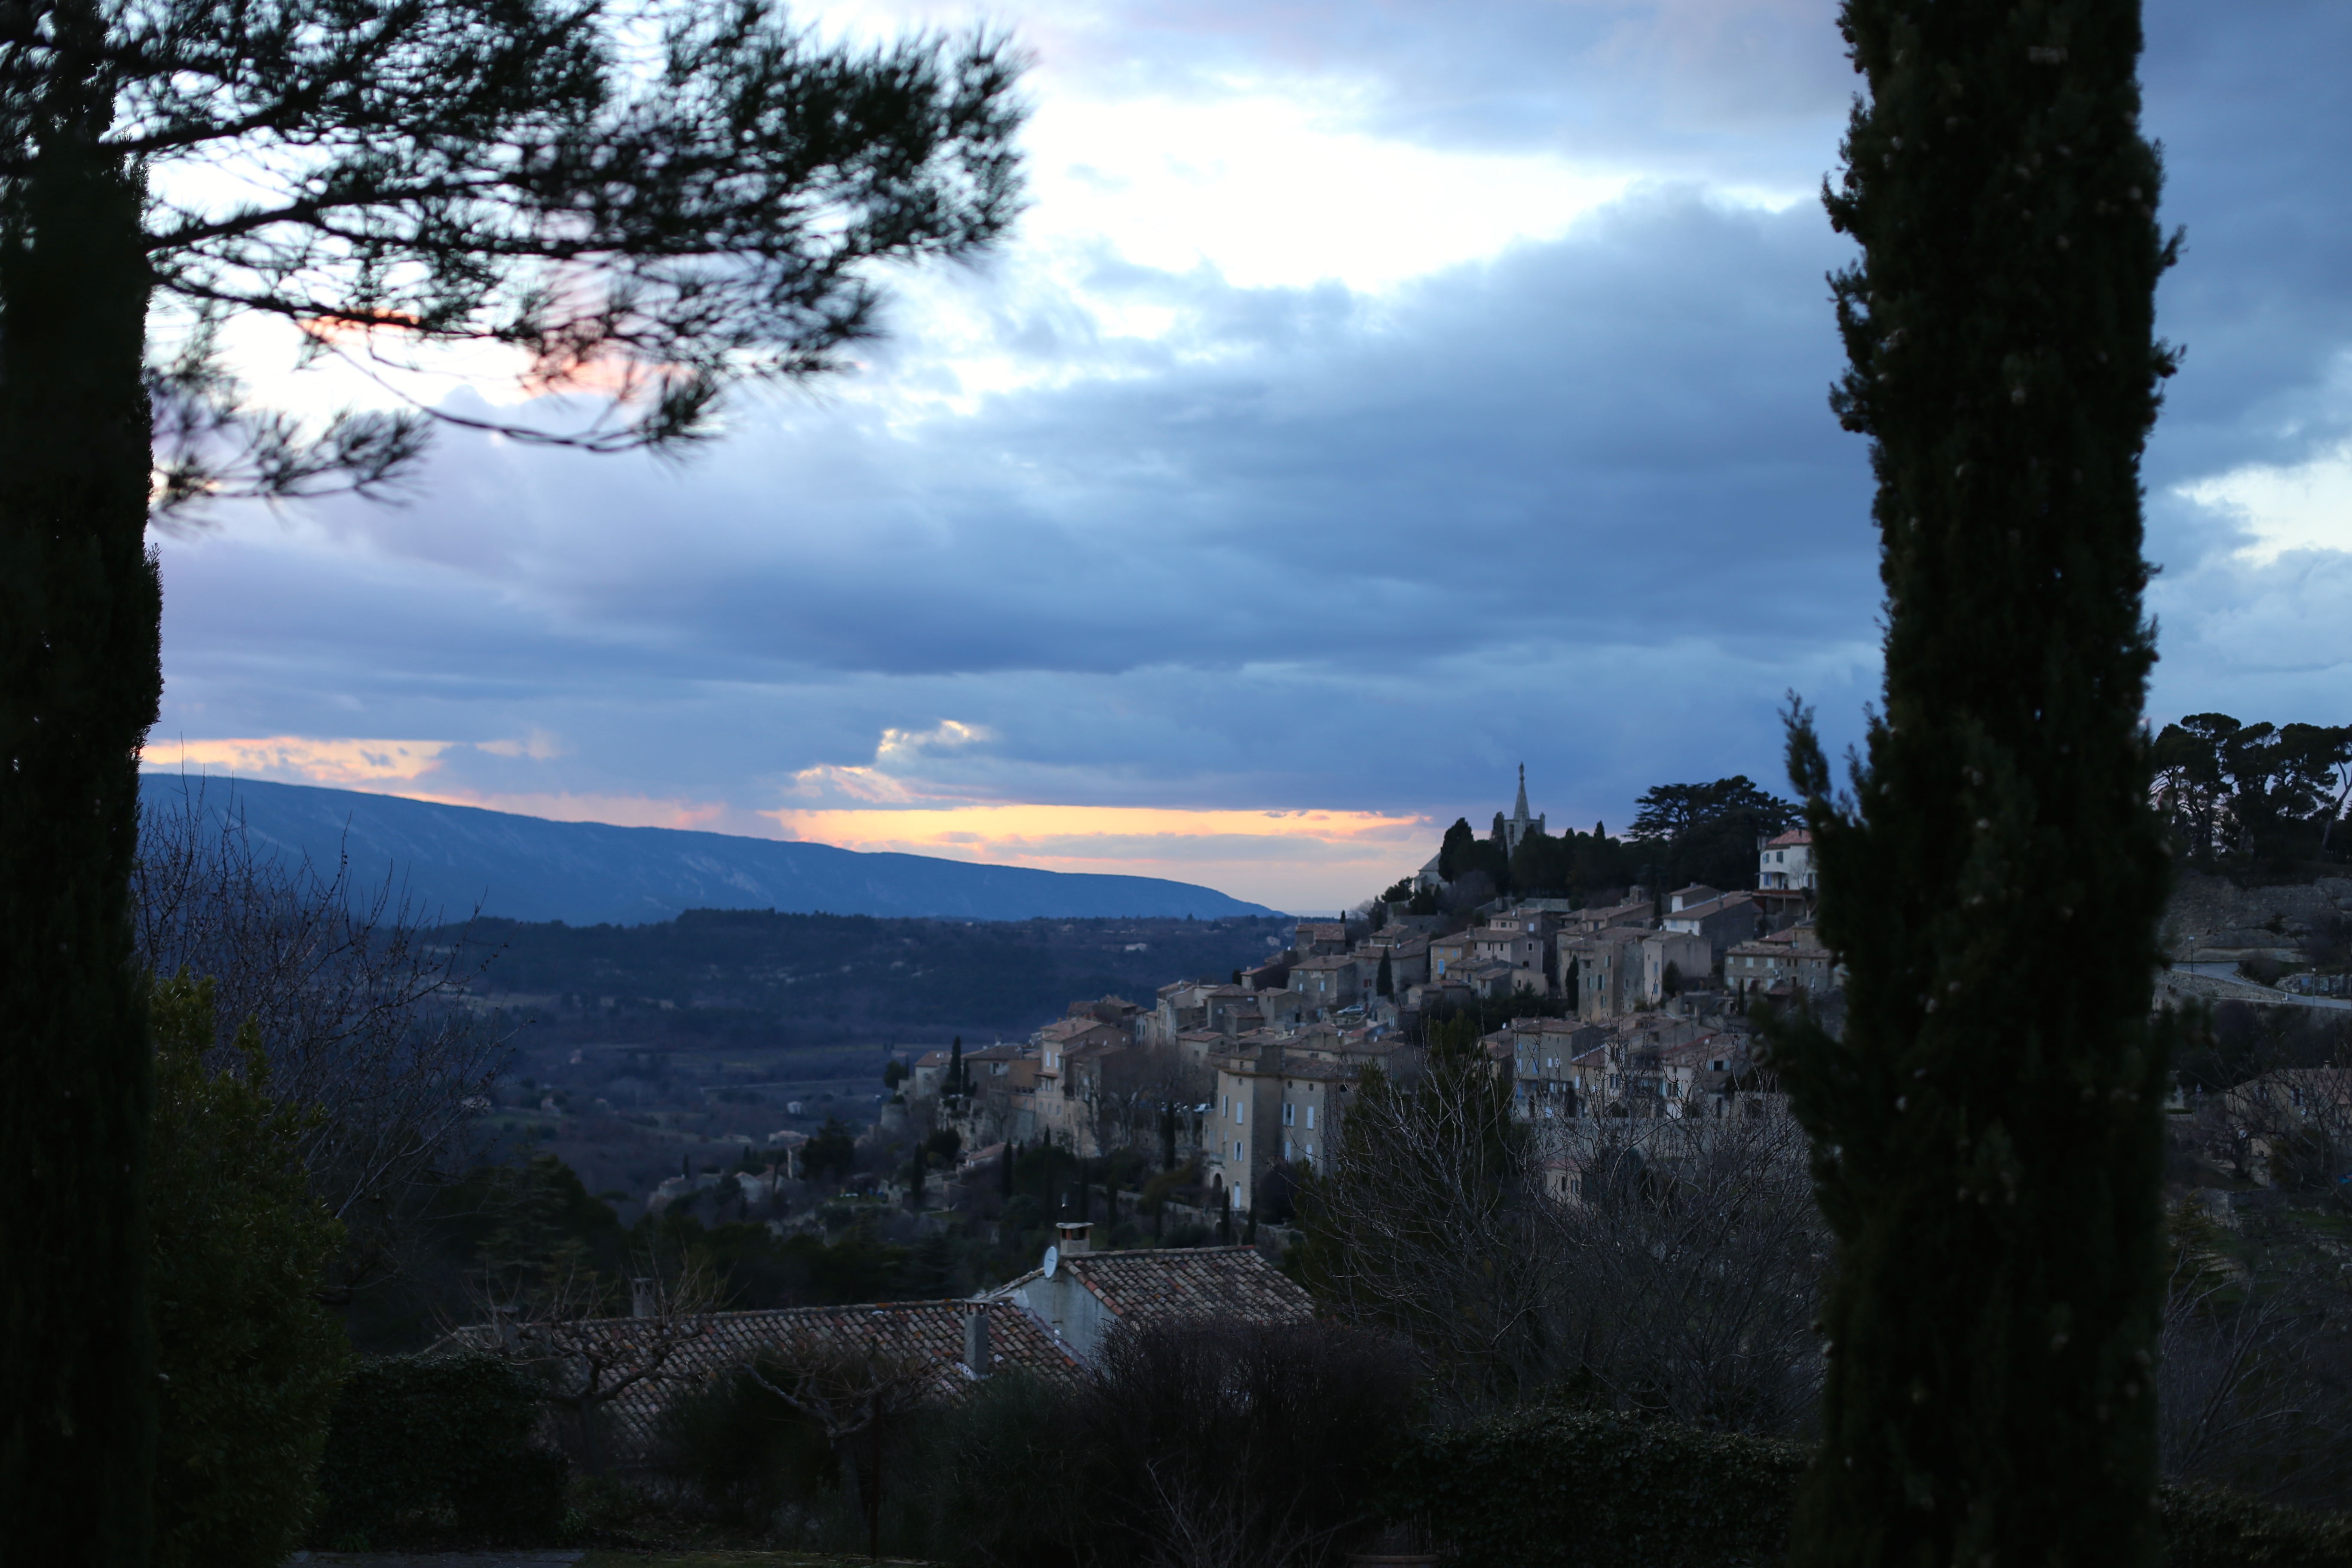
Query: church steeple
x,y
1520,821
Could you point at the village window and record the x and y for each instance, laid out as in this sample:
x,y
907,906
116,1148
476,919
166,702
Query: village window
x,y
1289,1115
1237,1149
1288,1149
1310,1151
1239,1111
1310,1125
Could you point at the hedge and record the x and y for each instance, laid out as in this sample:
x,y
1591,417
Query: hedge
x,y
1577,1488
1567,1489
435,1447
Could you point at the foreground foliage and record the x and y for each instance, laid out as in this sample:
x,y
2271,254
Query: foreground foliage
x,y
1579,1488
1678,1273
432,1449
651,202
250,1362
1191,1447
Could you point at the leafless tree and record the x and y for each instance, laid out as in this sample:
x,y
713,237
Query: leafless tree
x,y
1141,1088
1433,1222
1665,1265
570,1329
2254,1375
848,1390
1235,1445
1691,1269
360,1006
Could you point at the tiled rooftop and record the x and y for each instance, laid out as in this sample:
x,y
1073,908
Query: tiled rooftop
x,y
925,1331
1188,1284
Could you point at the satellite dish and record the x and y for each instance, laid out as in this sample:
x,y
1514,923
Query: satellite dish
x,y
1053,1259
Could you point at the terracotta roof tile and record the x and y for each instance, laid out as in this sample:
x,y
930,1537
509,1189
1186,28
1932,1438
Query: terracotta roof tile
x,y
1187,1284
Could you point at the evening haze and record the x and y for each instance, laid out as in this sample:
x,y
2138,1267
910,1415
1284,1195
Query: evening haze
x,y
1371,399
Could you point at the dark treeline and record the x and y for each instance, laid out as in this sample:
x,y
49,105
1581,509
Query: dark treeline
x,y
2259,798
791,979
1681,833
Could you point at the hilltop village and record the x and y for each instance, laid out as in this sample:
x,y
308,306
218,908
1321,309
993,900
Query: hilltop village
x,y
1633,1006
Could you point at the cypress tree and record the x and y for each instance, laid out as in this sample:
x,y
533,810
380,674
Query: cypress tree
x,y
79,659
1384,980
1987,1129
955,1065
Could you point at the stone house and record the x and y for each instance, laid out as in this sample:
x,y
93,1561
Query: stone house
x,y
1542,1049
927,1075
1320,939
1314,1097
1785,863
1450,955
1282,1100
1244,1123
1785,961
1230,1009
1327,979
1408,955
1274,975
1725,920
1608,968
1640,911
1285,1009
1690,958
1178,1006
1493,981
1515,945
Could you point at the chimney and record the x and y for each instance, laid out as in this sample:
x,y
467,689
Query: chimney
x,y
645,1298
1073,1234
975,1342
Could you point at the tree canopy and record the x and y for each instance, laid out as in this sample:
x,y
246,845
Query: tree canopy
x,y
1708,832
641,203
2249,794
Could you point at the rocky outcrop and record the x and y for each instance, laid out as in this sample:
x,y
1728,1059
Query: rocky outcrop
x,y
2211,919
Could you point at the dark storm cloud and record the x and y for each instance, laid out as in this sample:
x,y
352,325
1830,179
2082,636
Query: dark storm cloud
x,y
1582,505
1619,437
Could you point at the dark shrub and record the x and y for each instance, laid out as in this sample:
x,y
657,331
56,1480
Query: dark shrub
x,y
1593,1489
1004,1489
1244,1445
2206,1529
1574,1488
741,1451
440,1446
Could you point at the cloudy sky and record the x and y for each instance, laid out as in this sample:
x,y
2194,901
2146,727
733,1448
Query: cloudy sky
x,y
1377,395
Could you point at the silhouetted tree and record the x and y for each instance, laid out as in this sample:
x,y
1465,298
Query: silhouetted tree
x,y
661,211
1987,1131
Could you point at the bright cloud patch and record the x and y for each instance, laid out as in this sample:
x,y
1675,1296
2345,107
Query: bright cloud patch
x,y
1297,860
2307,506
297,759
1272,187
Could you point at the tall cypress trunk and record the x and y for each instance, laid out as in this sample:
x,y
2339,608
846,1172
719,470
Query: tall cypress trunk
x,y
79,681
1988,1142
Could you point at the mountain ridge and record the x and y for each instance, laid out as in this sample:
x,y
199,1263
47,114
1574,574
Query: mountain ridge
x,y
590,873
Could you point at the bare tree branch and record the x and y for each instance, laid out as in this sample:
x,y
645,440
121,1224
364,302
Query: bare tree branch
x,y
359,1010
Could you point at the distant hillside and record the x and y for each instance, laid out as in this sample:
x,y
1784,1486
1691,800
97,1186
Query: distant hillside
x,y
588,873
